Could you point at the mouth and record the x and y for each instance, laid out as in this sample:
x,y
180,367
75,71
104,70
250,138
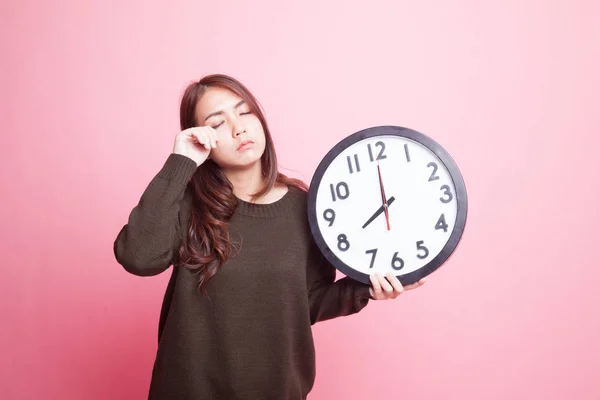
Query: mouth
x,y
245,144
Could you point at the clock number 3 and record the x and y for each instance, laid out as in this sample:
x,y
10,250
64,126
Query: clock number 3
x,y
448,193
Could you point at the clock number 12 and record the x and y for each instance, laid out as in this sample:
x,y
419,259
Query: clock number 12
x,y
380,156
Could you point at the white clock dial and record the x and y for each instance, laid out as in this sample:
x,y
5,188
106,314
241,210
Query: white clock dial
x,y
349,211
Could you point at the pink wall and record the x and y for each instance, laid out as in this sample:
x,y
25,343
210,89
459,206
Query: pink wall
x,y
89,109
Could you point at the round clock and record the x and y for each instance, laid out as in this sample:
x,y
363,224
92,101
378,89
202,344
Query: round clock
x,y
385,199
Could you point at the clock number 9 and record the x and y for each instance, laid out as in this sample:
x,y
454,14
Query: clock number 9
x,y
343,243
329,216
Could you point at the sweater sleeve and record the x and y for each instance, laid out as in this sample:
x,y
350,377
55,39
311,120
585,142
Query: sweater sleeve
x,y
147,244
329,298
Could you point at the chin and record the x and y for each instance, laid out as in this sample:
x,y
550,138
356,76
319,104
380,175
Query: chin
x,y
242,163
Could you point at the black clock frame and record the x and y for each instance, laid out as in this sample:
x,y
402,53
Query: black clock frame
x,y
440,152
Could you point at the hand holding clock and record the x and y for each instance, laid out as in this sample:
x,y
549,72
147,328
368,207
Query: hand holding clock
x,y
390,288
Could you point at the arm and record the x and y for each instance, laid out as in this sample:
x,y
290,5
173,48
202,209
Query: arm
x,y
329,298
147,244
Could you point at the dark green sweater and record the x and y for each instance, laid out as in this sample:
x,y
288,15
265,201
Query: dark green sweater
x,y
251,338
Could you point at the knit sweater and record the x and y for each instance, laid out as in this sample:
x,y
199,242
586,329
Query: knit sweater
x,y
251,338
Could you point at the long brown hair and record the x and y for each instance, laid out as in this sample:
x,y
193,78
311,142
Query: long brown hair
x,y
208,244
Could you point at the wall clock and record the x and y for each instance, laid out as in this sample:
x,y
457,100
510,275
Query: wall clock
x,y
387,198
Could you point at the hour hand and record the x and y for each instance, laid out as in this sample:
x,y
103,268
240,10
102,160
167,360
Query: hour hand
x,y
378,212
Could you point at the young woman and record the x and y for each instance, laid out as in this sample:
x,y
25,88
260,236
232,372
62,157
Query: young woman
x,y
247,281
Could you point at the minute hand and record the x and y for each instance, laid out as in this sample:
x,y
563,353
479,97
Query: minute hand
x,y
378,212
383,198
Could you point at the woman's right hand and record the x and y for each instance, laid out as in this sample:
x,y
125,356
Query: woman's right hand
x,y
196,143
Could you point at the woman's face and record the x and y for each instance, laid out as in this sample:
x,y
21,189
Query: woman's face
x,y
241,138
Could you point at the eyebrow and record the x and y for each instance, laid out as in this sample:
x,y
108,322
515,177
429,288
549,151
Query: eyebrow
x,y
241,102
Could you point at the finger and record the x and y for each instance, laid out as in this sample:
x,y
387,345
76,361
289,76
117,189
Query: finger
x,y
209,141
213,136
385,285
208,136
204,140
396,284
376,286
195,136
416,284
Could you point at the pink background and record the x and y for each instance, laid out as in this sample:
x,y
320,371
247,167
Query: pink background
x,y
89,110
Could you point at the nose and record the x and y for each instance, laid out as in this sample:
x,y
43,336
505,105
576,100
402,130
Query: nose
x,y
238,128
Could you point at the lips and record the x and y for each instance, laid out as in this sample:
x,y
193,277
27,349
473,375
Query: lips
x,y
245,144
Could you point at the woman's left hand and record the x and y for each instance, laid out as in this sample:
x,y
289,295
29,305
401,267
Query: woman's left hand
x,y
390,288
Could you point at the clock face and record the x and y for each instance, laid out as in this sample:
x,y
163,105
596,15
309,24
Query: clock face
x,y
387,199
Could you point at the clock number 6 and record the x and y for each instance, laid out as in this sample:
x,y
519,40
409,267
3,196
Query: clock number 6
x,y
343,243
329,216
397,262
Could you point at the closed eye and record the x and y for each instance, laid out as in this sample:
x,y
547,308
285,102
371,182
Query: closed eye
x,y
246,113
218,125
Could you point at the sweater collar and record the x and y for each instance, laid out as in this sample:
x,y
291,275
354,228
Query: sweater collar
x,y
278,208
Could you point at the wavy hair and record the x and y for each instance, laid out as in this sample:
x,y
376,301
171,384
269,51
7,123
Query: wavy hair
x,y
208,243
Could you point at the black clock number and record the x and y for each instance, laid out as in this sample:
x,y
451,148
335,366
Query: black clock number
x,y
407,153
373,253
422,248
329,216
433,176
397,262
380,156
355,165
441,223
340,191
343,243
448,193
